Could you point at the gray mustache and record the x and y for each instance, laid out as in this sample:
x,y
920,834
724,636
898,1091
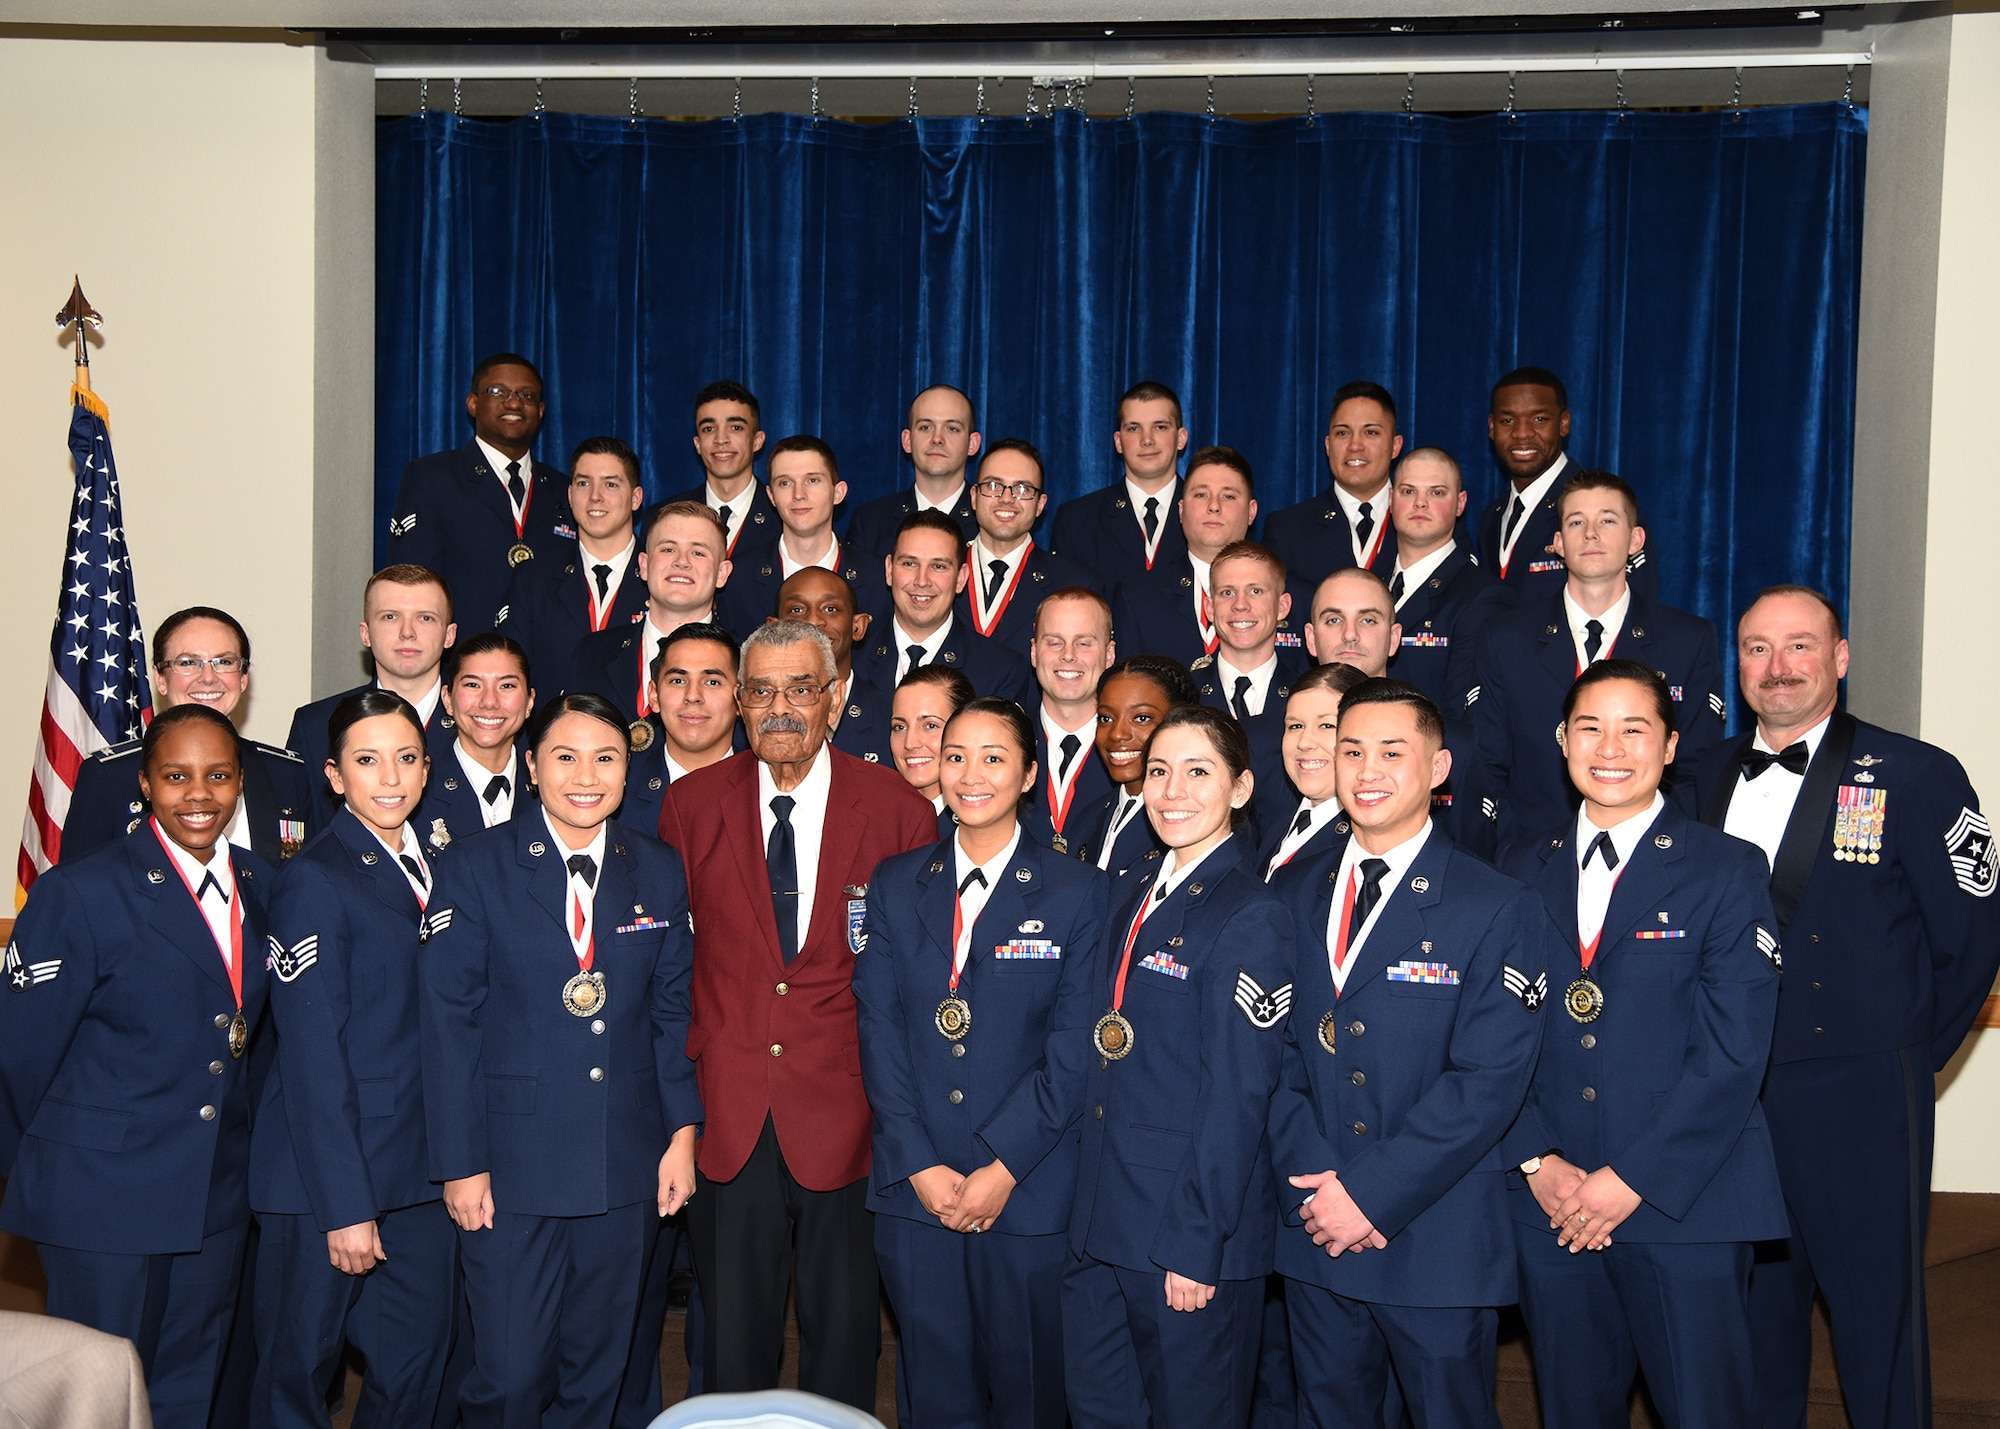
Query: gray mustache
x,y
781,724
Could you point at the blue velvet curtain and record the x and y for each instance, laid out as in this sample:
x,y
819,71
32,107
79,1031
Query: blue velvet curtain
x,y
1693,276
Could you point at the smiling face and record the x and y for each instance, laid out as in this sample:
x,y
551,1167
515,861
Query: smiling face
x,y
785,731
1790,661
1005,520
406,628
1617,748
1191,792
193,780
696,697
1385,773
1215,508
925,572
1527,426
579,771
1311,741
804,493
380,771
826,602
682,565
1072,647
604,499
917,717
1248,601
1129,708
1361,443
1354,623
489,698
725,439
984,772
508,422
202,639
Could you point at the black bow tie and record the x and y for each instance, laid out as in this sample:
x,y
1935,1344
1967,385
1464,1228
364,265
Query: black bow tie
x,y
1754,761
584,867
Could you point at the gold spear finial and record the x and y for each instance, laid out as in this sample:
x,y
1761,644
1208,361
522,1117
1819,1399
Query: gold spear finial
x,y
81,314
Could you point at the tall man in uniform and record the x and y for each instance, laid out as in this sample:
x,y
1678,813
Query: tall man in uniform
x,y
1348,523
1528,658
805,489
683,565
406,626
1414,1029
1443,594
784,1155
1891,936
550,606
1128,527
926,571
200,656
1528,423
1072,645
942,439
825,600
728,434
1009,572
475,513
1251,672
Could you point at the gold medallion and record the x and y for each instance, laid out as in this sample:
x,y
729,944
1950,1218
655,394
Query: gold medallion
x,y
642,735
239,1035
1326,1031
1112,1036
1584,999
954,1018
518,552
1059,844
583,994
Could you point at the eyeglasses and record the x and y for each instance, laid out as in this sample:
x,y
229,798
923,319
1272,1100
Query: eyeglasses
x,y
194,664
804,693
528,396
995,488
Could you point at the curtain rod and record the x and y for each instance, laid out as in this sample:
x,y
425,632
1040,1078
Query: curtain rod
x,y
1042,70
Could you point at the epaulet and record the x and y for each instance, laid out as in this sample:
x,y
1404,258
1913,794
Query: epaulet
x,y
119,751
275,751
1203,663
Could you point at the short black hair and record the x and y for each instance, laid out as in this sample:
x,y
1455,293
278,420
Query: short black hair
x,y
1163,670
486,642
1373,391
1008,713
802,442
366,704
1334,676
730,392
1383,691
1604,671
581,702
1532,377
694,630
1014,444
612,447
931,519
199,612
170,719
1148,391
853,600
505,359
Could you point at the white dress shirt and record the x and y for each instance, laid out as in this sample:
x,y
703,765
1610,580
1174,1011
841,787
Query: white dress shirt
x,y
738,507
948,505
411,847
972,902
1260,679
1537,492
496,462
808,824
214,907
1166,496
1122,813
1594,881
982,559
1204,604
1415,575
1378,507
1613,621
1295,837
827,560
425,707
478,776
1760,808
582,896
1399,860
620,564
903,640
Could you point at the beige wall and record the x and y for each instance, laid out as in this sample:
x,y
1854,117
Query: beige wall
x,y
1961,681
180,181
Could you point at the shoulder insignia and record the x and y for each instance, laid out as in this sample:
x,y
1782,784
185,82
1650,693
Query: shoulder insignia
x,y
119,751
1262,1009
1472,696
1715,704
404,526
22,974
1975,863
501,618
1638,560
1767,944
1530,993
1490,809
435,922
1471,558
287,963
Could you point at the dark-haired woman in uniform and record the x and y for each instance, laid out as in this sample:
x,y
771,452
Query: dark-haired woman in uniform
x,y
921,707
559,1102
1172,1233
135,982
1647,1165
975,988
1133,696
480,783
355,1245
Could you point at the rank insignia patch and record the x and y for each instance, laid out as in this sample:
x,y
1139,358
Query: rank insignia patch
x,y
1531,994
1974,861
22,974
1767,944
435,923
288,963
1263,1009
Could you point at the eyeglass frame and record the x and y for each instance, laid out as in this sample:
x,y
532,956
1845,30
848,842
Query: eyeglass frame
x,y
1019,490
527,396
762,697
195,664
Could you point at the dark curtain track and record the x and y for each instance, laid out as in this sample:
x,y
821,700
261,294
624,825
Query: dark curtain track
x,y
1695,278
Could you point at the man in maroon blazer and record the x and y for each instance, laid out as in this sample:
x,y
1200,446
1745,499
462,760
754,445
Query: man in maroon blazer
x,y
780,843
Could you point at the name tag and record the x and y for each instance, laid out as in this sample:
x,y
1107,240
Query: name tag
x,y
1440,974
1027,948
1164,963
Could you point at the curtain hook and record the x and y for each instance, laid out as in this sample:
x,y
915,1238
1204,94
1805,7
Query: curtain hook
x,y
1312,109
457,99
1211,99
424,92
1736,97
815,100
541,108
979,105
913,97
1509,110
1847,94
632,100
736,102
1132,91
1623,107
1410,99
1031,101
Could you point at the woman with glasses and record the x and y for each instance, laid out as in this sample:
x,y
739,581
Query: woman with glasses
x,y
559,1102
975,987
918,712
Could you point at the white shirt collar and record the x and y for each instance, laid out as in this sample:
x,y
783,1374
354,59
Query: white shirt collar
x,y
1260,678
924,503
904,640
992,868
809,798
1624,837
1139,496
983,556
414,849
1613,621
1415,575
829,561
496,462
478,776
595,848
1173,875
193,868
1531,499
1812,737
1350,504
426,707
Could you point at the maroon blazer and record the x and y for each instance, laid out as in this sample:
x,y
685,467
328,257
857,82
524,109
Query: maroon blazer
x,y
768,1039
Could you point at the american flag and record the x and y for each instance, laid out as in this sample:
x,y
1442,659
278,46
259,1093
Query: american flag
x,y
97,690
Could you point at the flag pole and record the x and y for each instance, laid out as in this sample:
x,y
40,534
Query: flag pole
x,y
78,312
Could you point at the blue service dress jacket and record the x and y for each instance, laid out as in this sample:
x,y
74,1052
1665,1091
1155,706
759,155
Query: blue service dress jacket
x,y
1688,962
1537,571
570,1115
1175,1174
453,516
1434,1042
124,1119
1040,574
1314,539
1101,532
1134,841
1011,1089
340,1126
278,798
1153,612
992,668
546,610
451,805
1441,621
308,737
1880,955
